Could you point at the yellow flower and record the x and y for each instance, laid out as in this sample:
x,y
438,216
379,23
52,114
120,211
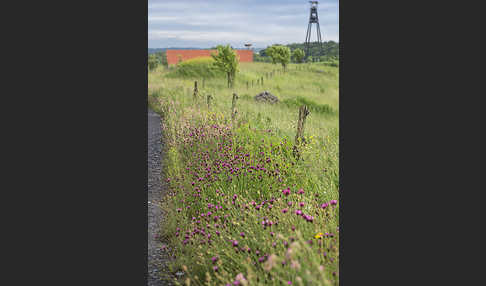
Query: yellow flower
x,y
319,235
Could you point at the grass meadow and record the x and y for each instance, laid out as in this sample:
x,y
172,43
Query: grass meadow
x,y
240,208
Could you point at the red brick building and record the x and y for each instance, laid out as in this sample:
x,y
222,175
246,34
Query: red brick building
x,y
173,55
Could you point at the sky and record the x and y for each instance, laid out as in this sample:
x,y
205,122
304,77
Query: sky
x,y
207,23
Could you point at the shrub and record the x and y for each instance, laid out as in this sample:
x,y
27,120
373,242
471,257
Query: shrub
x,y
196,68
319,108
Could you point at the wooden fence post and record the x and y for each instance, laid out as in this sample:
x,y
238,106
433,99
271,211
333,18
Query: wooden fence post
x,y
209,100
196,92
299,137
262,80
234,111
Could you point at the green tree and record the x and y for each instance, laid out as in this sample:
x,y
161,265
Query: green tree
x,y
227,61
152,62
161,58
279,54
298,55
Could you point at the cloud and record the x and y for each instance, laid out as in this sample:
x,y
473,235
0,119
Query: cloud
x,y
200,23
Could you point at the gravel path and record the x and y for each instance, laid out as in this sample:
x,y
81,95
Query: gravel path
x,y
156,257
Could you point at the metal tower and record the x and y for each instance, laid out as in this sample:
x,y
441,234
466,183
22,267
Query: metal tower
x,y
313,19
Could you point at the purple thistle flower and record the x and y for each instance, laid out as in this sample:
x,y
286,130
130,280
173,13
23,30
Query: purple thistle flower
x,y
286,192
324,205
285,210
333,202
242,234
235,242
215,268
298,212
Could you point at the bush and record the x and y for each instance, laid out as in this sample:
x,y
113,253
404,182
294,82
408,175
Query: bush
x,y
315,107
196,68
152,62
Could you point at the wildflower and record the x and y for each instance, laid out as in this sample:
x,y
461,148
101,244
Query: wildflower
x,y
324,205
242,234
289,204
295,264
235,243
293,228
319,235
215,268
300,192
285,210
309,218
286,192
271,262
301,204
240,278
289,282
333,202
298,212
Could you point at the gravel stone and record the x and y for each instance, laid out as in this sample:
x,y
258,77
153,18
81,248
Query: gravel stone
x,y
157,259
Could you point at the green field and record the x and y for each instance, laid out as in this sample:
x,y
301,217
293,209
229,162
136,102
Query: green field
x,y
236,192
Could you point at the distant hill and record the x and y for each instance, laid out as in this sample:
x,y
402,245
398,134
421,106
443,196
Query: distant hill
x,y
158,50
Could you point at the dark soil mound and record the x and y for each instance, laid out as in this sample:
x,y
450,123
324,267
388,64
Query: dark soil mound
x,y
266,97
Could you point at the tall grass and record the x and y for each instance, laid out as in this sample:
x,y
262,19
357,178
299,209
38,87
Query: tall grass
x,y
241,209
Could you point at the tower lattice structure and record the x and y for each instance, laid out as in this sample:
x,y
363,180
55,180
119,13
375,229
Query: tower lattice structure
x,y
313,19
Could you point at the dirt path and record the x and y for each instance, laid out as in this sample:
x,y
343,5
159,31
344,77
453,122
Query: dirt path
x,y
156,258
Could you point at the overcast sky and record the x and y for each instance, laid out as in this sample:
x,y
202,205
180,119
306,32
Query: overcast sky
x,y
206,23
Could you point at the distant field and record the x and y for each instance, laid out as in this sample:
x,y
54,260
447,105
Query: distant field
x,y
319,84
251,163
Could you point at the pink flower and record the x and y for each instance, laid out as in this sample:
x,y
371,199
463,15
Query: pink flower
x,y
333,202
285,210
286,192
300,192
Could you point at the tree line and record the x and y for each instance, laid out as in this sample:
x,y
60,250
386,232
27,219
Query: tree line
x,y
282,54
329,51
